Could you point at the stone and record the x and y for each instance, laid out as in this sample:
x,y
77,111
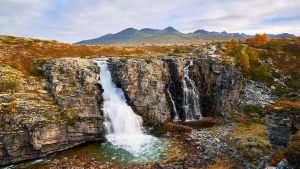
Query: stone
x,y
52,114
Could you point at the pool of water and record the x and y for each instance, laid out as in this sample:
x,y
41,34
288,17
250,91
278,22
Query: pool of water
x,y
110,155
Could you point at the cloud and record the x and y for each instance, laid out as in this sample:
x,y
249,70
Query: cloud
x,y
71,21
15,15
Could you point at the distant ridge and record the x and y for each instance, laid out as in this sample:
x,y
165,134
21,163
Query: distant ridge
x,y
131,34
238,35
222,34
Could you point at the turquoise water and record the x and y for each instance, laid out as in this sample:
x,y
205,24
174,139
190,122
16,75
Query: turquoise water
x,y
106,153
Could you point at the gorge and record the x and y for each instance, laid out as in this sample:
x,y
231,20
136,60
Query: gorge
x,y
188,106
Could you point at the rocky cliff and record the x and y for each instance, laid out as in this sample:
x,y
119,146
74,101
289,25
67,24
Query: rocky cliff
x,y
218,85
63,109
44,115
145,84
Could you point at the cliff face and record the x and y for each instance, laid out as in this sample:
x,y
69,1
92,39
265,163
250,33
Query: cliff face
x,y
144,83
219,85
36,121
46,115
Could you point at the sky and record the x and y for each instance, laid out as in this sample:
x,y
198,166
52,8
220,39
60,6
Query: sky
x,y
75,20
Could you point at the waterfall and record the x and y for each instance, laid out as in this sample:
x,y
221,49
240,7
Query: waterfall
x,y
123,126
191,102
176,115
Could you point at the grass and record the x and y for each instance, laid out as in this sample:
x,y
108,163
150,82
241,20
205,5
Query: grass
x,y
224,163
250,140
285,105
10,79
10,84
23,53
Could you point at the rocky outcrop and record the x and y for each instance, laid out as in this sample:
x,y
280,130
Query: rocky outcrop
x,y
218,84
144,83
278,128
281,124
257,94
36,121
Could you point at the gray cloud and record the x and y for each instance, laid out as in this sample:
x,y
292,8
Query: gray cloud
x,y
75,20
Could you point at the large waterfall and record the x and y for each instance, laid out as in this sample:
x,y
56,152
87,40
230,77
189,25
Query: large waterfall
x,y
191,101
124,127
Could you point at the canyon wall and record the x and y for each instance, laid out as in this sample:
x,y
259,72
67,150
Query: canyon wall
x,y
49,115
62,109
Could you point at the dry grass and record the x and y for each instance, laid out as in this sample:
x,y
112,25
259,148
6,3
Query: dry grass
x,y
254,129
225,163
21,53
285,105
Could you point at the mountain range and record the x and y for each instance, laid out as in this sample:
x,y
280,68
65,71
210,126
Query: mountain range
x,y
131,34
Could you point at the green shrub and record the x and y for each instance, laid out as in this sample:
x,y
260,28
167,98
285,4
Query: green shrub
x,y
10,84
253,109
36,69
256,113
176,51
263,73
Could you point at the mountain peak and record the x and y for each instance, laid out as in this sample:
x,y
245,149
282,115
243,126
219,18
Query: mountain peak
x,y
129,30
170,30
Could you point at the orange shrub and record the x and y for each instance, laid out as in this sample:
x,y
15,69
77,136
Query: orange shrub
x,y
258,40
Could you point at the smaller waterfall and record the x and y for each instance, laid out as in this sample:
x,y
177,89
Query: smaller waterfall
x,y
191,101
176,115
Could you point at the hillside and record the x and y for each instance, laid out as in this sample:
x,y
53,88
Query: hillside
x,y
169,35
129,34
22,53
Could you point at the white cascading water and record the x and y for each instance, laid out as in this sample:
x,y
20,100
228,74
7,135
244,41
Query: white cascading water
x,y
191,102
176,115
124,127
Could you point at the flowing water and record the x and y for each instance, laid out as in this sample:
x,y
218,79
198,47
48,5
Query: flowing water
x,y
191,101
124,127
128,144
176,115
